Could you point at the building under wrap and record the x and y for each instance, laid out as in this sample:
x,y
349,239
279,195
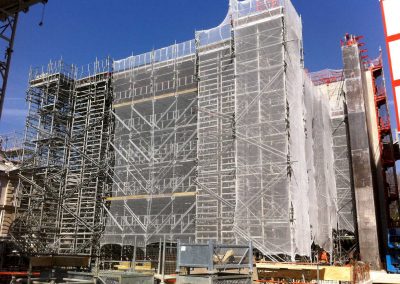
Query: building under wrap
x,y
224,138
331,83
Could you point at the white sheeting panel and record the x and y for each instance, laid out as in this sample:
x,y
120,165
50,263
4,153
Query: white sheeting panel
x,y
392,16
397,95
394,47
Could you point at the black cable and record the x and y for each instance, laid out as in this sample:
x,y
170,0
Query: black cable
x,y
42,18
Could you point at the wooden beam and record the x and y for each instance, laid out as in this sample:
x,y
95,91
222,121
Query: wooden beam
x,y
140,197
134,102
307,271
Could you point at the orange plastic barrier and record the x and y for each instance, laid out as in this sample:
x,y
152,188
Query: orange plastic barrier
x,y
17,273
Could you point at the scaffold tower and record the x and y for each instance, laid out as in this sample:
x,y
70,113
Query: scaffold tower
x,y
64,170
245,175
43,172
155,111
88,164
220,138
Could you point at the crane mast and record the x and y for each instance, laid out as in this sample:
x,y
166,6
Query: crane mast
x,y
9,10
391,15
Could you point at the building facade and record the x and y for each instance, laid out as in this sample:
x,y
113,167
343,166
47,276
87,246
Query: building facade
x,y
223,138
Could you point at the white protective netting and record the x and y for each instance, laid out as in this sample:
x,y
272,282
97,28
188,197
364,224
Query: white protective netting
x,y
153,193
323,199
309,98
237,9
281,193
264,148
272,204
216,145
331,84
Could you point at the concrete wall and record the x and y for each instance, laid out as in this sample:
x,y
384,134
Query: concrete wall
x,y
361,157
7,185
376,162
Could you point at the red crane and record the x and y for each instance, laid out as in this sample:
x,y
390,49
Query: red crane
x,y
391,22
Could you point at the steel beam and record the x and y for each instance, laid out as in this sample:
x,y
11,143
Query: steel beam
x,y
7,36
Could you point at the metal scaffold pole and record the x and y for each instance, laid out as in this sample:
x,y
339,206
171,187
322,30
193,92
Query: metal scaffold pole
x,y
8,27
65,169
154,144
221,138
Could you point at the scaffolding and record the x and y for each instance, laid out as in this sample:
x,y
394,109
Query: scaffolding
x,y
216,149
47,125
345,238
9,12
155,111
221,138
271,164
209,140
325,221
331,84
88,163
64,165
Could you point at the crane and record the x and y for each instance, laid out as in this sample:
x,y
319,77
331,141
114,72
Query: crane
x,y
391,14
9,10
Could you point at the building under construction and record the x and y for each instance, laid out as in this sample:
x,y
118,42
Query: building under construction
x,y
10,157
219,127
64,176
223,138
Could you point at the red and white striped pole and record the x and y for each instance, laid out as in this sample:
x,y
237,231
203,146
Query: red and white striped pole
x,y
391,22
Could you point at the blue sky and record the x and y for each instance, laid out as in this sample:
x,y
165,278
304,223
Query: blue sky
x,y
79,31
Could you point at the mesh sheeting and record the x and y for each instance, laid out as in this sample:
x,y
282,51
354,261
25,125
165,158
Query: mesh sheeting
x,y
217,34
272,204
155,149
237,9
157,56
342,161
262,209
309,97
245,126
298,164
326,76
216,153
325,197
